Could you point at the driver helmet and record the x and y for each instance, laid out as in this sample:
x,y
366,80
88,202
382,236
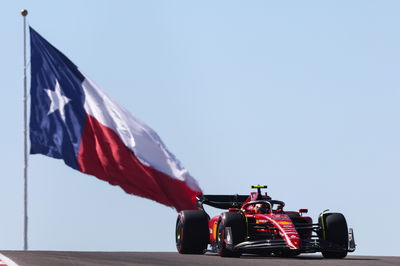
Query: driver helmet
x,y
261,208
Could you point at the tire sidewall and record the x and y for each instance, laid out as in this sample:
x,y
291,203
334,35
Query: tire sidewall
x,y
191,232
334,235
235,221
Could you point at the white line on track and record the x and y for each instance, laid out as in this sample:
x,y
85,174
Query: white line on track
x,y
5,261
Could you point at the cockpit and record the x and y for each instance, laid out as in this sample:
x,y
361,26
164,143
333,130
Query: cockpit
x,y
263,206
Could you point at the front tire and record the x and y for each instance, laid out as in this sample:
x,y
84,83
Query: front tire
x,y
236,222
334,234
191,234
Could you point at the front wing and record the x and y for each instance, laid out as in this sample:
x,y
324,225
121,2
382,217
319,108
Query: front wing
x,y
311,245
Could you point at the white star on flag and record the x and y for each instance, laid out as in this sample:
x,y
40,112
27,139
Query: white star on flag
x,y
58,101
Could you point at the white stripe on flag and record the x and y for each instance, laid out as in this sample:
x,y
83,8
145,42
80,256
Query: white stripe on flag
x,y
135,134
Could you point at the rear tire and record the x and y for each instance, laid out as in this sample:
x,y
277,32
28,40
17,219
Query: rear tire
x,y
335,233
236,221
191,234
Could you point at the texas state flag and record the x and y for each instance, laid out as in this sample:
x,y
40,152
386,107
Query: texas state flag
x,y
73,120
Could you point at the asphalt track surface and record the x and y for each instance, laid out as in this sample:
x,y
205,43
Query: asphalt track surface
x,y
55,258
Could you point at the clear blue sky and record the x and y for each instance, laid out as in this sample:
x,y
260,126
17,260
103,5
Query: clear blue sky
x,y
300,95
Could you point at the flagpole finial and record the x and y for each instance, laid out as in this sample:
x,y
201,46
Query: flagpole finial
x,y
24,12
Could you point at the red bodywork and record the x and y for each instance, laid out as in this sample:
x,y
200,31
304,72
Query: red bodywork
x,y
276,223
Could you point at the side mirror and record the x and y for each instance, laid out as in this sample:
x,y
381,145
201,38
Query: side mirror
x,y
301,211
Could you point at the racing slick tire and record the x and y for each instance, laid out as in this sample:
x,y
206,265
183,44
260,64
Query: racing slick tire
x,y
237,224
191,233
335,233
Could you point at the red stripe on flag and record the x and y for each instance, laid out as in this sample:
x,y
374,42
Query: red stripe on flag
x,y
104,155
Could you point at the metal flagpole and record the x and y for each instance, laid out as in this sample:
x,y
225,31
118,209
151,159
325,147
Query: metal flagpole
x,y
24,13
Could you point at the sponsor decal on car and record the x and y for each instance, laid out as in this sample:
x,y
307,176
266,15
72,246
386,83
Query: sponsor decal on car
x,y
279,218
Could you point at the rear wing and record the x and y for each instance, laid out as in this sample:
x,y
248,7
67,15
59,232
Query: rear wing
x,y
222,201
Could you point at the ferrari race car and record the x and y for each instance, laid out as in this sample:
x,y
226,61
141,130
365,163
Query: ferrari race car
x,y
258,224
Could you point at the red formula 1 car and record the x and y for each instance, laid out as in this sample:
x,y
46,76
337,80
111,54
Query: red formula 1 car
x,y
258,224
